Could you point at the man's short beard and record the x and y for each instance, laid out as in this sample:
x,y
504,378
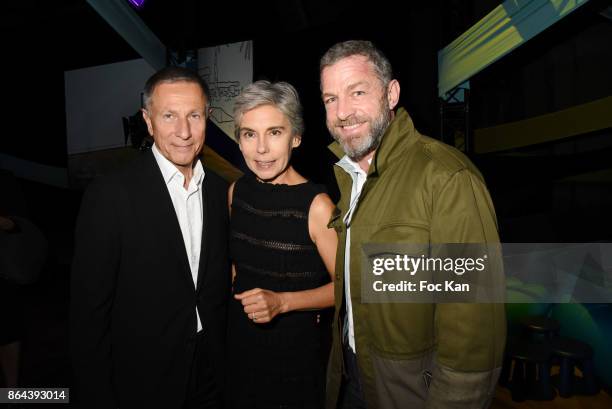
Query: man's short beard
x,y
371,142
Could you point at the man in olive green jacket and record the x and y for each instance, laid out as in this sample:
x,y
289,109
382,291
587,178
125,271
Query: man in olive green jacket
x,y
398,186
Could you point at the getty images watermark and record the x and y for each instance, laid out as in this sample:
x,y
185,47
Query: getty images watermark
x,y
486,273
411,265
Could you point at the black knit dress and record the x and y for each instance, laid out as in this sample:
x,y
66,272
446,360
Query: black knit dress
x,y
282,363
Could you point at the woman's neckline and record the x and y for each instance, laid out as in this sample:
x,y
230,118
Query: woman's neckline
x,y
271,186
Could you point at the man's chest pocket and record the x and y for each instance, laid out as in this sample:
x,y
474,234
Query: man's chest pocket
x,y
404,232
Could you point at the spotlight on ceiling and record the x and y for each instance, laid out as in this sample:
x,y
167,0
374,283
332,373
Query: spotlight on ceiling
x,y
137,3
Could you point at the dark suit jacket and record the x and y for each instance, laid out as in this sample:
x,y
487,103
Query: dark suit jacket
x,y
133,319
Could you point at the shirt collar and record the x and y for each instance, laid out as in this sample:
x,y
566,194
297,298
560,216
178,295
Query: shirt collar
x,y
350,166
169,171
198,173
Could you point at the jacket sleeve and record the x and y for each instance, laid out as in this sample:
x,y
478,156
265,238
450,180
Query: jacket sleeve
x,y
470,336
94,270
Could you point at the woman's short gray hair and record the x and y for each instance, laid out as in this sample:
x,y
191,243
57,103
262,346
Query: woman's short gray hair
x,y
281,95
339,51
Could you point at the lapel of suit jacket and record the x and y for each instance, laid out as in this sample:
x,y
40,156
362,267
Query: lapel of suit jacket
x,y
164,213
206,231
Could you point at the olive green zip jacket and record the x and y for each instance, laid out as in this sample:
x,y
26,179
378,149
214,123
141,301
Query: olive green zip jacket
x,y
418,190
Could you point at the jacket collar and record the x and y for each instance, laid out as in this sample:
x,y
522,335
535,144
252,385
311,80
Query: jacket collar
x,y
399,135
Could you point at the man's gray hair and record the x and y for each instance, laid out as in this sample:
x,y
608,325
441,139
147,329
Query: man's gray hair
x,y
171,75
281,95
339,51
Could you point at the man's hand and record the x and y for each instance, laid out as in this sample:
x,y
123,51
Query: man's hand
x,y
261,305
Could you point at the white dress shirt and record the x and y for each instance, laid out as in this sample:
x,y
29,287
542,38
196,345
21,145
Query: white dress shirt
x,y
188,207
359,177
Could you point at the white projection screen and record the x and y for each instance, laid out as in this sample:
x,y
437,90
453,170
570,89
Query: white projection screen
x,y
96,100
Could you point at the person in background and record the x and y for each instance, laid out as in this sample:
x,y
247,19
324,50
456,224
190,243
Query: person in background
x,y
23,254
10,311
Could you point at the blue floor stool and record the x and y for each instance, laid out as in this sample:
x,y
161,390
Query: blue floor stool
x,y
539,327
529,377
573,353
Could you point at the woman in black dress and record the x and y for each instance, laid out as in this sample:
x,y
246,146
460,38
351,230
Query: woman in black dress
x,y
283,258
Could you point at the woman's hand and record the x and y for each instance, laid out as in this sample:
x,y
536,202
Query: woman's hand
x,y
261,306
